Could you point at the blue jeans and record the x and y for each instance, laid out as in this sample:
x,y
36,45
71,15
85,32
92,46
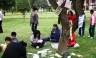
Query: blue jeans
x,y
91,30
33,28
82,30
52,40
38,44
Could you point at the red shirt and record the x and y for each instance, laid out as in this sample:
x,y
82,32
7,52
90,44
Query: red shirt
x,y
73,17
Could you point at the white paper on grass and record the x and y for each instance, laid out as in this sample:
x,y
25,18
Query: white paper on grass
x,y
35,56
48,3
55,45
68,4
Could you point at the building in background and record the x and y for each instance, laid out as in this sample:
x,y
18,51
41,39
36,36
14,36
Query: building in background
x,y
90,4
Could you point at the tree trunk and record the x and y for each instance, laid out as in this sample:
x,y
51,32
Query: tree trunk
x,y
78,7
23,16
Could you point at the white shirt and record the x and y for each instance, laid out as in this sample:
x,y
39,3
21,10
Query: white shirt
x,y
34,39
1,16
93,20
81,20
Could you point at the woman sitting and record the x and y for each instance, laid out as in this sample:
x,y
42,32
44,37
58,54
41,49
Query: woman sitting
x,y
55,34
36,40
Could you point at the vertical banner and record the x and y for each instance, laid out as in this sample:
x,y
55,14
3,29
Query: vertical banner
x,y
60,2
68,4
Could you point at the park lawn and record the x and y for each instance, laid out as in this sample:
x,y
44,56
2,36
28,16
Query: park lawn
x,y
13,22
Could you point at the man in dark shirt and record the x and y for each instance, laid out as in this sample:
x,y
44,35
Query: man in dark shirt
x,y
15,50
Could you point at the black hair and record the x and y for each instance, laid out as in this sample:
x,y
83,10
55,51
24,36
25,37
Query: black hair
x,y
23,43
92,11
8,39
13,34
34,8
37,32
70,12
55,25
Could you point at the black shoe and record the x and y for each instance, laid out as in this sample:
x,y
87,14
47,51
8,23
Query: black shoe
x,y
1,32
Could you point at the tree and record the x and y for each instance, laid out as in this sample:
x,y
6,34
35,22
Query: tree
x,y
6,4
78,7
23,6
39,3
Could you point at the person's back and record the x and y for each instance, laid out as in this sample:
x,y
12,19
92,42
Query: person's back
x,y
15,50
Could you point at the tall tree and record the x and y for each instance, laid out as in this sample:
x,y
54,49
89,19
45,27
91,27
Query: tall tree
x,y
78,7
23,6
39,3
7,4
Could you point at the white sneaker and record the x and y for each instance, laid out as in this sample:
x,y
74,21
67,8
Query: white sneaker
x,y
83,36
37,47
78,35
91,38
45,44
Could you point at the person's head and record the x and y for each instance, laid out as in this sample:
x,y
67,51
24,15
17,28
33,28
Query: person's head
x,y
70,13
13,35
37,34
34,9
8,40
55,26
23,43
91,11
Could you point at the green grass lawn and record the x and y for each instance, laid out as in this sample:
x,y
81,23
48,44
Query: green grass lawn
x,y
13,22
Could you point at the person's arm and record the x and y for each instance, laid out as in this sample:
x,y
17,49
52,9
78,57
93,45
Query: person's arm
x,y
85,17
30,18
57,33
31,39
93,20
36,18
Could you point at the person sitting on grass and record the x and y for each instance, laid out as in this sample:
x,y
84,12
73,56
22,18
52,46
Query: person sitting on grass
x,y
13,36
55,34
15,50
7,41
36,40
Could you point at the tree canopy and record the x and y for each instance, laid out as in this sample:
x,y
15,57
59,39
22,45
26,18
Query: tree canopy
x,y
22,5
39,3
7,4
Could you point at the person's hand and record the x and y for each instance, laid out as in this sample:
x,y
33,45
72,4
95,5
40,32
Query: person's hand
x,y
50,39
53,32
92,26
38,42
34,24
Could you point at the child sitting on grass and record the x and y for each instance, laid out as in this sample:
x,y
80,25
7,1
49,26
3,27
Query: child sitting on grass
x,y
7,41
13,37
36,40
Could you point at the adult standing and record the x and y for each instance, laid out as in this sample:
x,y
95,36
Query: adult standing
x,y
1,18
92,24
34,19
81,24
71,16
